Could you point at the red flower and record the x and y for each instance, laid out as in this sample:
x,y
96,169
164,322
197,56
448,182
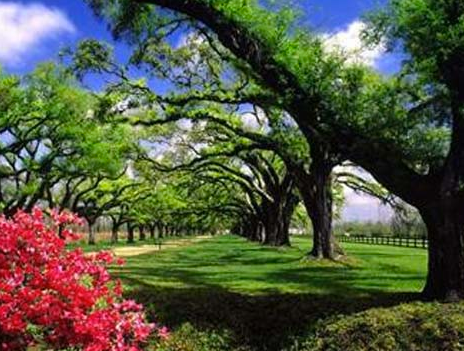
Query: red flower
x,y
62,298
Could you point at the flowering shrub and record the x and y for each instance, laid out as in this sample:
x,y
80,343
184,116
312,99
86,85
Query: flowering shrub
x,y
59,299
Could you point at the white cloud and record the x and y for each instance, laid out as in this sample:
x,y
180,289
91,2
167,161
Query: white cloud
x,y
360,206
348,42
364,208
23,27
353,198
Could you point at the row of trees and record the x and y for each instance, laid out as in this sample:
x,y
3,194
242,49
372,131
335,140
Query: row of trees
x,y
405,130
229,137
56,153
257,117
240,172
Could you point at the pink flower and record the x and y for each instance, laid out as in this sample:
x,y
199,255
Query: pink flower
x,y
66,296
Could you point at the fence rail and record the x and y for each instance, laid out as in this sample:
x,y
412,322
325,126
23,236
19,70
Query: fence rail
x,y
421,243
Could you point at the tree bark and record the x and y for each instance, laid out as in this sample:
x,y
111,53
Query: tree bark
x,y
160,230
252,229
445,227
315,186
443,215
321,219
278,214
130,234
276,231
142,235
152,228
114,233
92,240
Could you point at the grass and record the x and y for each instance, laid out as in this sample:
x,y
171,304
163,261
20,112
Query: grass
x,y
267,297
233,264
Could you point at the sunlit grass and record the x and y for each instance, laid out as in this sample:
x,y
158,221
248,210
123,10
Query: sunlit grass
x,y
233,264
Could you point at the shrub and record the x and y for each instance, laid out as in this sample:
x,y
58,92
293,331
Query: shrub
x,y
408,327
59,299
187,338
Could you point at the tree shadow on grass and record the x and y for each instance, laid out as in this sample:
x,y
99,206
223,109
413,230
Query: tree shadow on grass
x,y
199,284
269,321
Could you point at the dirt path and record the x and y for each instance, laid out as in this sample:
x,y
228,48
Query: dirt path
x,y
168,244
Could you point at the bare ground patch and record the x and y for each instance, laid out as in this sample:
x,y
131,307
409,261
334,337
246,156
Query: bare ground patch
x,y
149,248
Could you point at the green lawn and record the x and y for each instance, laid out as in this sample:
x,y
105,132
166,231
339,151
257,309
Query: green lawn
x,y
231,263
265,296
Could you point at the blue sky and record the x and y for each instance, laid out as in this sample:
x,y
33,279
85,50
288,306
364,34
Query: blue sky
x,y
32,31
65,22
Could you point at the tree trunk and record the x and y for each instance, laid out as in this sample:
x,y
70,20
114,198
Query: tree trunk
x,y
130,234
290,207
252,229
160,230
276,233
114,233
444,217
276,222
445,226
315,188
142,235
321,219
259,233
92,240
320,213
152,231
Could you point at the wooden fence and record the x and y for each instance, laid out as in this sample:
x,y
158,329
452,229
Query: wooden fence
x,y
421,243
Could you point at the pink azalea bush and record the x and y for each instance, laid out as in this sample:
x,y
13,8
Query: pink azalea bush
x,y
55,298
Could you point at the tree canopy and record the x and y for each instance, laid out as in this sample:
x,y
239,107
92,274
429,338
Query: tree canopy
x,y
406,130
